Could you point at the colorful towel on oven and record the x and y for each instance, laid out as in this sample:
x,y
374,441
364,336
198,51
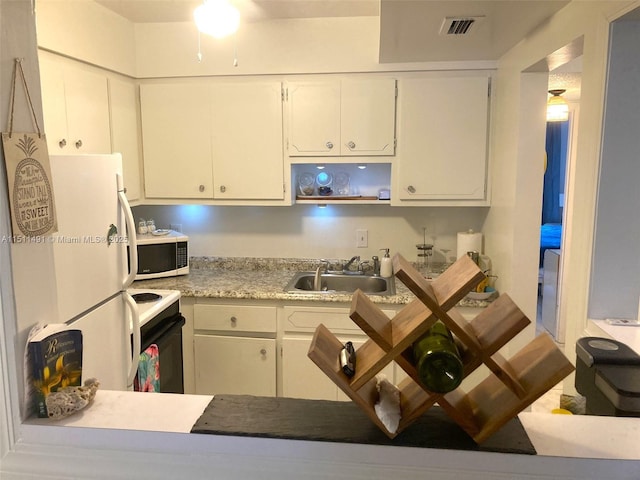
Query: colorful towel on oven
x,y
148,378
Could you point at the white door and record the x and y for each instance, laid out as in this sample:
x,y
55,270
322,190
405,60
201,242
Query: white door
x,y
176,140
89,269
314,118
106,347
235,365
87,100
442,138
301,378
368,117
247,141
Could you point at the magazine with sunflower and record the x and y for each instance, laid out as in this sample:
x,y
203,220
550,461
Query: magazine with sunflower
x,y
54,359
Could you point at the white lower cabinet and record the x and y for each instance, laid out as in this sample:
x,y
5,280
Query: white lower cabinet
x,y
235,349
301,378
235,365
236,346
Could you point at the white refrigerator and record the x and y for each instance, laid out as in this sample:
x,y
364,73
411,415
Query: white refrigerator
x,y
92,269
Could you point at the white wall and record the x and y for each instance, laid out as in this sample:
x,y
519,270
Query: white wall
x,y
85,30
17,40
306,231
286,46
615,283
511,225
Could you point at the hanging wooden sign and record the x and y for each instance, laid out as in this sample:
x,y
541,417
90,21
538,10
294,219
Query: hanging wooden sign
x,y
29,175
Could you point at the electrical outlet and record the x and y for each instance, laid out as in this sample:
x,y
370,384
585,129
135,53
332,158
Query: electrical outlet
x,y
362,238
176,227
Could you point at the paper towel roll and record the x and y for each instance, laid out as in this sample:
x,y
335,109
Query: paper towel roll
x,y
469,241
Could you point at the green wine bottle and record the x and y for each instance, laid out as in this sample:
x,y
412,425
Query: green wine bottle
x,y
437,360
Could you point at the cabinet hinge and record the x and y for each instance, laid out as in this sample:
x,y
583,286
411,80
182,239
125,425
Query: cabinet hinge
x,y
285,94
395,143
489,89
396,89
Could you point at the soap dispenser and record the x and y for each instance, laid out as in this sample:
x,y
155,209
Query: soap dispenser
x,y
386,267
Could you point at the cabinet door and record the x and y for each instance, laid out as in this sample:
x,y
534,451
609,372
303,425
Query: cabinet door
x,y
53,105
75,105
314,118
368,117
246,131
176,139
442,138
235,365
87,99
301,378
124,133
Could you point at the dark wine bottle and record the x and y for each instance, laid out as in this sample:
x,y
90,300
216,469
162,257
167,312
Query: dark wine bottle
x,y
437,360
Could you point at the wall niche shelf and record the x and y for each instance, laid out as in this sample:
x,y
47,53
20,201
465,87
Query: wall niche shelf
x,y
511,385
348,183
341,200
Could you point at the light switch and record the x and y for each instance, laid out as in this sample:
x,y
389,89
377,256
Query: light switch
x,y
362,238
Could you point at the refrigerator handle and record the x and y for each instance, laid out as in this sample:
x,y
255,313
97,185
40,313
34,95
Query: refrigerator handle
x,y
131,234
135,345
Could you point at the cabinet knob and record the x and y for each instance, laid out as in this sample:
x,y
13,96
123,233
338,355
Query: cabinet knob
x,y
411,189
351,145
233,320
263,351
223,188
329,145
201,188
79,144
62,143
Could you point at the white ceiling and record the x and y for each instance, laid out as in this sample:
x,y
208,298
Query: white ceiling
x,y
145,11
409,29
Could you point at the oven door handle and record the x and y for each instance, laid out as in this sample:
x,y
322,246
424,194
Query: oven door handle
x,y
174,323
135,333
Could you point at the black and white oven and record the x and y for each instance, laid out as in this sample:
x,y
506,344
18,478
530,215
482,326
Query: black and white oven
x,y
161,333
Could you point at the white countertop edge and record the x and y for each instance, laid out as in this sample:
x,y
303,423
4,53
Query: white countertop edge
x,y
629,335
568,436
583,436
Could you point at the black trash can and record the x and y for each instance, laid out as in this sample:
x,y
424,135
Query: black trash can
x,y
608,376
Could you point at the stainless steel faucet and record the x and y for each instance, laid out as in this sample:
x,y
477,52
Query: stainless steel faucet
x,y
345,268
376,266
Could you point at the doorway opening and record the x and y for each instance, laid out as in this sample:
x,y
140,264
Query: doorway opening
x,y
560,138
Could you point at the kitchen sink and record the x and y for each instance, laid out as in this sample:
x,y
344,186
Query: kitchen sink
x,y
335,282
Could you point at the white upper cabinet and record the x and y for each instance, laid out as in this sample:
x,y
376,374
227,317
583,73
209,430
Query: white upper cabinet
x,y
442,139
123,106
248,161
213,141
76,108
368,117
341,117
314,118
176,136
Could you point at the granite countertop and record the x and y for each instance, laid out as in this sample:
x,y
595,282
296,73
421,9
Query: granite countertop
x,y
262,279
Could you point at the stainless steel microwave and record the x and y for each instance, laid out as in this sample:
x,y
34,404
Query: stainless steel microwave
x,y
162,255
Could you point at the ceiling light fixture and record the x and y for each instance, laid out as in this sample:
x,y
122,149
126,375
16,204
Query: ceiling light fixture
x,y
217,18
557,107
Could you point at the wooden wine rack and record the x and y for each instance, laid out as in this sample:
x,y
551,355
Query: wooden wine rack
x,y
511,386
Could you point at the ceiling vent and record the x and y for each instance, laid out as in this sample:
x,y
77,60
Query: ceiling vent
x,y
460,25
